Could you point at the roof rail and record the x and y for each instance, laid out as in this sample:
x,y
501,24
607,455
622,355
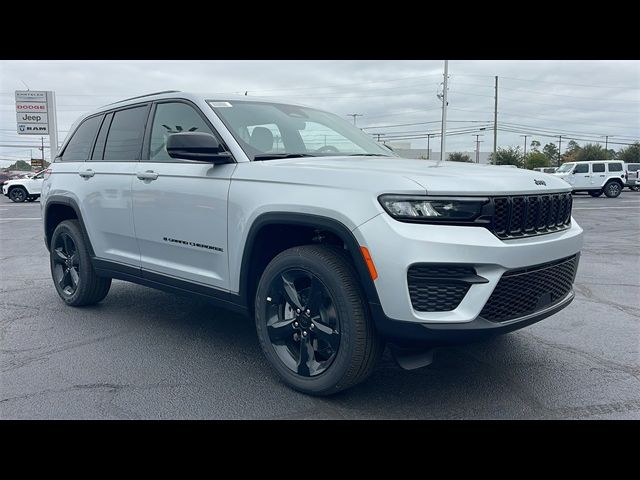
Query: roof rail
x,y
142,96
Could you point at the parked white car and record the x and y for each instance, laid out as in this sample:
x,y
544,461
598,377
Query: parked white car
x,y
595,177
22,189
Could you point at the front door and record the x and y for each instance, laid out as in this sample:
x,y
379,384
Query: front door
x,y
581,176
180,206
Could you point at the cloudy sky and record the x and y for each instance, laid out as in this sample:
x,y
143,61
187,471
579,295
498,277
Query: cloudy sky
x,y
584,100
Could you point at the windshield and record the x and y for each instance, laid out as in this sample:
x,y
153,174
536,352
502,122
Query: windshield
x,y
275,130
565,167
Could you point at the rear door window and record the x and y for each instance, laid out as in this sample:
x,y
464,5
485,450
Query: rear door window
x,y
124,141
79,146
598,167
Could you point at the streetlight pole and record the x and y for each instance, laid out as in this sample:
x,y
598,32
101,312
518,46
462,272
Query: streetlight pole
x,y
525,150
443,140
478,146
354,115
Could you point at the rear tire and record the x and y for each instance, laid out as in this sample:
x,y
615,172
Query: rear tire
x,y
18,194
595,193
339,337
612,189
73,275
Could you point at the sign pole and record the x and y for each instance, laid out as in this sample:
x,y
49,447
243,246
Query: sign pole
x,y
53,126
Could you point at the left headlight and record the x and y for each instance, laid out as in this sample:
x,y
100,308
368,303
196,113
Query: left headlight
x,y
436,209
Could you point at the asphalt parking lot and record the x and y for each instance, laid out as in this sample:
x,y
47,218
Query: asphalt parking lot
x,y
146,354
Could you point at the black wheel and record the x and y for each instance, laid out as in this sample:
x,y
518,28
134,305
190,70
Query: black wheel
x,y
612,189
595,193
313,322
73,276
18,194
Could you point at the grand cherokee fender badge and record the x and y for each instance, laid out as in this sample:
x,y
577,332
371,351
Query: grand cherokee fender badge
x,y
193,244
540,182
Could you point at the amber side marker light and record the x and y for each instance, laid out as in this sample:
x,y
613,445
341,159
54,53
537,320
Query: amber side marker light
x,y
369,262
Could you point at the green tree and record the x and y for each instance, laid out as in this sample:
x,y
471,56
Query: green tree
x,y
20,165
591,151
551,151
459,157
630,154
535,145
536,160
572,146
507,156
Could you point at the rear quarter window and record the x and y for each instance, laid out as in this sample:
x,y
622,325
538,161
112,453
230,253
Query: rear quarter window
x,y
80,144
615,167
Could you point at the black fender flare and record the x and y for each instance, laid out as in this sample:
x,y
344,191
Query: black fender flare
x,y
306,220
69,202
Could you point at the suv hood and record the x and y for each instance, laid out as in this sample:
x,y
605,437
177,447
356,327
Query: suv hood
x,y
449,178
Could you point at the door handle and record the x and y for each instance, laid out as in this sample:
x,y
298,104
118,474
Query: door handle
x,y
86,173
148,175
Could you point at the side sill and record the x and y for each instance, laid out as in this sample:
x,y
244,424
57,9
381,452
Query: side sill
x,y
167,283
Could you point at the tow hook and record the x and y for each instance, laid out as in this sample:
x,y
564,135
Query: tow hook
x,y
411,358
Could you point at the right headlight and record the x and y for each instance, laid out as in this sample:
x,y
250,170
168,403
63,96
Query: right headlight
x,y
433,209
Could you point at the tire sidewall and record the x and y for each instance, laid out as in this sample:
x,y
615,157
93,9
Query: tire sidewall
x,y
329,380
71,228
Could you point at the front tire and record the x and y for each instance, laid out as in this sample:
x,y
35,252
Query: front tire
x,y
595,193
612,189
18,194
313,322
73,275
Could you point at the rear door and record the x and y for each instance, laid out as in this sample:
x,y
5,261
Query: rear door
x,y
598,174
180,206
104,184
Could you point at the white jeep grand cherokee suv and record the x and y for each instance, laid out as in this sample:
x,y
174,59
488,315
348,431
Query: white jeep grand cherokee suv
x,y
295,217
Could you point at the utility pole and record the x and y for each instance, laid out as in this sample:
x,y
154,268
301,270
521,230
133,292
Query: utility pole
x,y
525,150
443,140
495,120
559,149
478,147
429,145
606,146
354,115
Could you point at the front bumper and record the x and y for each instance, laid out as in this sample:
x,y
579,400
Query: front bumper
x,y
395,246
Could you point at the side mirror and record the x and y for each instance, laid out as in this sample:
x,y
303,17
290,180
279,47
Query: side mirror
x,y
199,146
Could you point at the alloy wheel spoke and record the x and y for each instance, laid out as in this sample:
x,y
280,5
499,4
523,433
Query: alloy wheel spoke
x,y
306,358
327,334
75,259
64,279
67,245
291,293
59,256
73,275
280,330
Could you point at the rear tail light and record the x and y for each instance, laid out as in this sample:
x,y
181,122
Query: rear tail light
x,y
47,173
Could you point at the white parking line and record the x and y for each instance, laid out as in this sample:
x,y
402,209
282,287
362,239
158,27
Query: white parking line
x,y
603,208
22,218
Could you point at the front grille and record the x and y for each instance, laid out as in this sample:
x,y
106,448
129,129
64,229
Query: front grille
x,y
527,215
438,288
527,290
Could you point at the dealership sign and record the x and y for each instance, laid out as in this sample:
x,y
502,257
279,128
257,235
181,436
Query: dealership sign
x,y
32,112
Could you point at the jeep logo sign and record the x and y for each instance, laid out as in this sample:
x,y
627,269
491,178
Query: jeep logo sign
x,y
540,182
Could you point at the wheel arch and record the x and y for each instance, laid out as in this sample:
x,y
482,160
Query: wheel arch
x,y
57,209
250,278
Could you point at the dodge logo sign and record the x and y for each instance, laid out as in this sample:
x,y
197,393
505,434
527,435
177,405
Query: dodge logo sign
x,y
540,182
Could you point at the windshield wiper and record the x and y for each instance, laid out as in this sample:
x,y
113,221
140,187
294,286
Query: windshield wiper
x,y
368,155
273,156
